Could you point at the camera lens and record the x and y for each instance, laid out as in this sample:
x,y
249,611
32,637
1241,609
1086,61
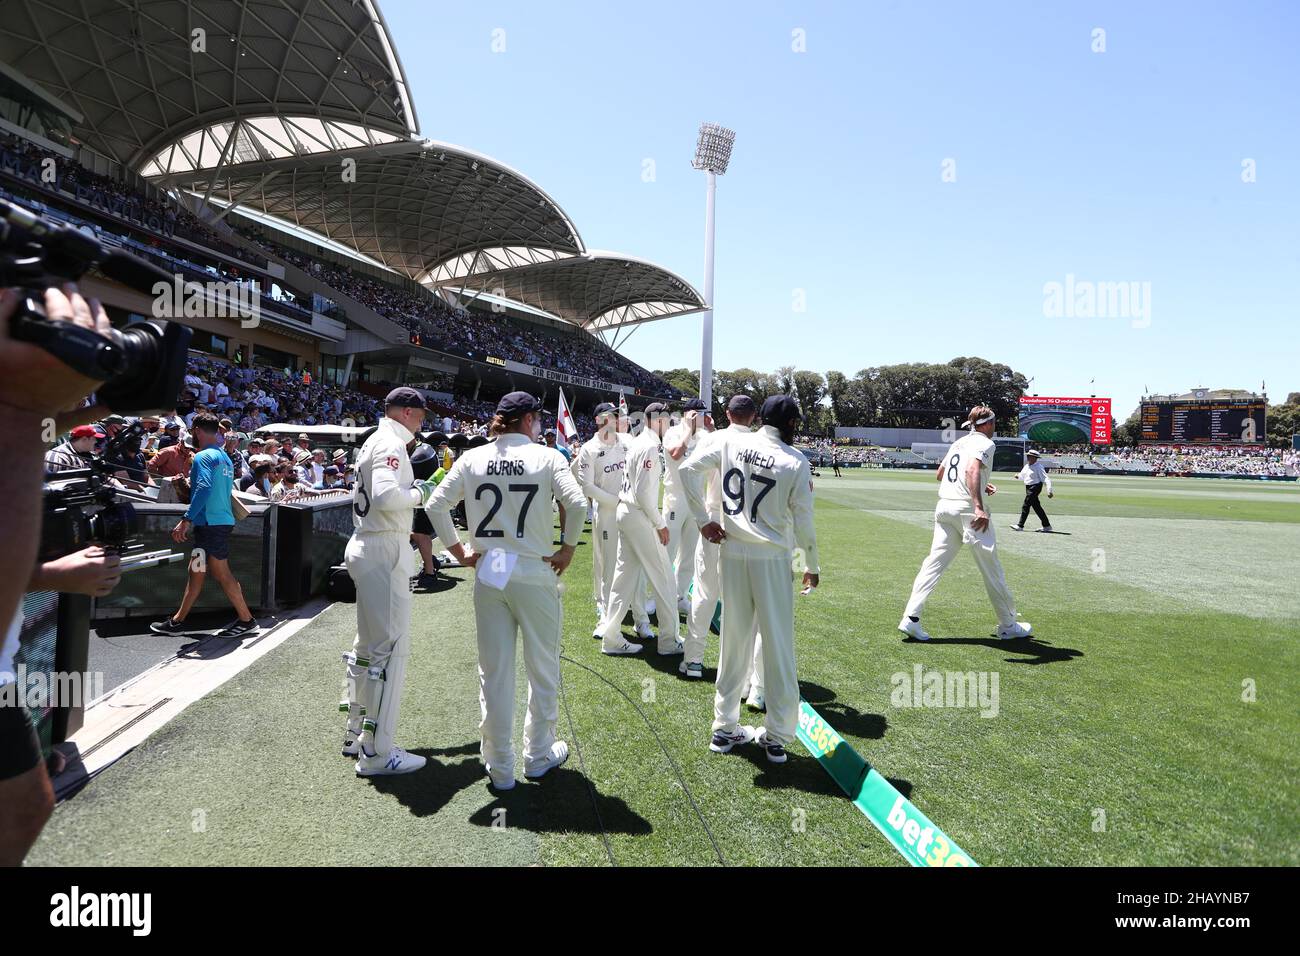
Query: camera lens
x,y
114,525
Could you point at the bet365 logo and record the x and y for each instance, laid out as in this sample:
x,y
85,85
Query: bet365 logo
x,y
918,840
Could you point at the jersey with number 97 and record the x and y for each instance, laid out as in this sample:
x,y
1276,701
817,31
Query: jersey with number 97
x,y
973,447
507,487
766,486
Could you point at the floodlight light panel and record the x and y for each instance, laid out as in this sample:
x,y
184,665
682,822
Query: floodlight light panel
x,y
713,149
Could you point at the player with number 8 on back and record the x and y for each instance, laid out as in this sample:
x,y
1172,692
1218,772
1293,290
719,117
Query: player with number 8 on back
x,y
960,518
767,511
507,486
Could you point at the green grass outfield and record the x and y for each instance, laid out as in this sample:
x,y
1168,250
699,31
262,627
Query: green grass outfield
x,y
1162,599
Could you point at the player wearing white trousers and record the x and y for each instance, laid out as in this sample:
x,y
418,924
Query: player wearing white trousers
x,y
598,467
960,518
530,605
507,487
683,533
380,562
767,509
641,545
952,529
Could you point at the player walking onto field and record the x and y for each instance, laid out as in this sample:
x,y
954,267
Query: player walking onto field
x,y
960,518
380,561
642,544
767,509
1035,478
507,487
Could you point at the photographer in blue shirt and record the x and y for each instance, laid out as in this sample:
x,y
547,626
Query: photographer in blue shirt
x,y
212,479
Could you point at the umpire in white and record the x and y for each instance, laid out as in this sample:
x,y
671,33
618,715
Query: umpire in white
x,y
507,486
1034,475
380,561
767,510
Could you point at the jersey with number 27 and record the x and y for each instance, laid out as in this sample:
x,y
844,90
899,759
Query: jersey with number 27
x,y
507,486
973,447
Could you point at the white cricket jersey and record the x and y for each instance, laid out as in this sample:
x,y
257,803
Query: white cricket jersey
x,y
973,447
672,483
767,496
641,476
713,482
600,468
384,494
507,486
1035,474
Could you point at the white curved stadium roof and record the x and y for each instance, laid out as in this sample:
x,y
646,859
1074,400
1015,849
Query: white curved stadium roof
x,y
131,67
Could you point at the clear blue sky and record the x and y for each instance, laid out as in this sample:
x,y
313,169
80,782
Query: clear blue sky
x,y
1122,166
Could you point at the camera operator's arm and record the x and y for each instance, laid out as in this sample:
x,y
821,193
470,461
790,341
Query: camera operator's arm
x,y
93,572
35,387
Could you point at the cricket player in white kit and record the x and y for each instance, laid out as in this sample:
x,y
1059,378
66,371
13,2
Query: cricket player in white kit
x,y
642,544
380,561
767,510
741,412
683,534
599,466
507,487
960,518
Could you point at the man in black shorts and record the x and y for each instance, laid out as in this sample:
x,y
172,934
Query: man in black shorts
x,y
211,519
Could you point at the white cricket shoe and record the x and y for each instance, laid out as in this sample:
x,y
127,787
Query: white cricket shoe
x,y
500,781
395,761
559,753
722,741
913,629
692,669
684,606
756,701
351,747
650,606
669,650
1017,630
621,647
644,630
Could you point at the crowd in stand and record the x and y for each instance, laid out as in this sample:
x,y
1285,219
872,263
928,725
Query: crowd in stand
x,y
1175,460
476,333
110,194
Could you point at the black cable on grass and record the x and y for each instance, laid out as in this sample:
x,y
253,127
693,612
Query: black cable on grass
x,y
582,765
659,740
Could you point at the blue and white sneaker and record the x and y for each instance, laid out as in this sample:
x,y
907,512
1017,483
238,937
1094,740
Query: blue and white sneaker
x,y
395,761
691,669
722,741
775,751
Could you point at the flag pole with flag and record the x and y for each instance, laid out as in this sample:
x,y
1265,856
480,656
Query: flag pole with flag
x,y
564,422
622,405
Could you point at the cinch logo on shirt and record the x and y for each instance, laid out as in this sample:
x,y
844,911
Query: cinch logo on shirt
x,y
505,466
615,467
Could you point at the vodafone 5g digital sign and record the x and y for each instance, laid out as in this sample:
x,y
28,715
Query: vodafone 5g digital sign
x,y
1065,421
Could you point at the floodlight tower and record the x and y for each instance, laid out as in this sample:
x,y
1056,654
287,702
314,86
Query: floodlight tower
x,y
712,154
